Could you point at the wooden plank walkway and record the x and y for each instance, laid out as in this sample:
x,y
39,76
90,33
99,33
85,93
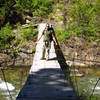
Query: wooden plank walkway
x,y
46,80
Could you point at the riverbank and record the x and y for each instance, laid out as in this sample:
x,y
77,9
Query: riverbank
x,y
81,52
24,56
77,51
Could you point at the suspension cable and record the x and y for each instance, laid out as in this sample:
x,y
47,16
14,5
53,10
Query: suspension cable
x,y
94,88
6,83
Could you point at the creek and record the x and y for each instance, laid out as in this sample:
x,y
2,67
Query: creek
x,y
15,79
86,82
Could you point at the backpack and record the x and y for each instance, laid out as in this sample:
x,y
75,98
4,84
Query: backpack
x,y
48,34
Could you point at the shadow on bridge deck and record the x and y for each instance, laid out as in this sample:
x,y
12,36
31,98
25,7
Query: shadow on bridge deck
x,y
47,84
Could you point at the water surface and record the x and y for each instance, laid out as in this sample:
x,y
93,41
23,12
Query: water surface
x,y
86,82
15,79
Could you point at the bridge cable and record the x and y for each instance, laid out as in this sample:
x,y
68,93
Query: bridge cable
x,y
6,84
94,88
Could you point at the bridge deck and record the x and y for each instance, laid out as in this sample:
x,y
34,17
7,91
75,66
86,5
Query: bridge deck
x,y
46,80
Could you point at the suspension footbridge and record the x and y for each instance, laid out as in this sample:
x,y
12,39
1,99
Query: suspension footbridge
x,y
46,80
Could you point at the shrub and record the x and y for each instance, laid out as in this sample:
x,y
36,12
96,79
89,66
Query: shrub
x,y
30,33
62,35
82,15
38,7
6,36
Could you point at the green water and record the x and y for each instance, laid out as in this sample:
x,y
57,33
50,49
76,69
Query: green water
x,y
85,84
16,77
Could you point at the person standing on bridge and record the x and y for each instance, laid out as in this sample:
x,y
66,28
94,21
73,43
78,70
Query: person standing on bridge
x,y
48,35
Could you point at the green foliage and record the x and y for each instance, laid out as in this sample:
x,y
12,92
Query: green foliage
x,y
3,11
83,18
97,9
60,18
38,7
5,7
6,36
62,35
24,34
30,33
35,7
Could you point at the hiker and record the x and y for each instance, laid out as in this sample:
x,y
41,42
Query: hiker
x,y
48,37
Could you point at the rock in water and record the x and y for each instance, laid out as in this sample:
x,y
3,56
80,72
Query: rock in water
x,y
4,87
